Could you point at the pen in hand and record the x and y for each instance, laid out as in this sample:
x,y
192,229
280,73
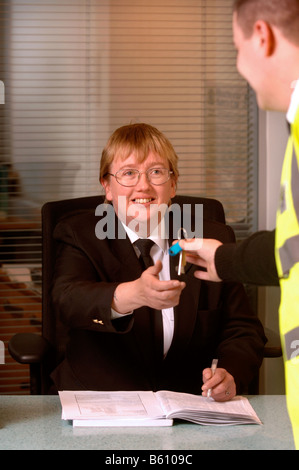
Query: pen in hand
x,y
213,369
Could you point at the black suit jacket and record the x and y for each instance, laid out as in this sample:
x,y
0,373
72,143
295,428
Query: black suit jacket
x,y
211,320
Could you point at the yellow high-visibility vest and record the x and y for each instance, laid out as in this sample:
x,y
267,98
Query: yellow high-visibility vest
x,y
287,260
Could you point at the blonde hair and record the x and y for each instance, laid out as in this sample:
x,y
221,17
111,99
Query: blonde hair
x,y
139,139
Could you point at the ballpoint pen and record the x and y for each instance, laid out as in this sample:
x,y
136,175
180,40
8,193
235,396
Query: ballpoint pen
x,y
213,368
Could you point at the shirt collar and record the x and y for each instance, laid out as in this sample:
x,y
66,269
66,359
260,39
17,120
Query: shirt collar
x,y
294,104
133,236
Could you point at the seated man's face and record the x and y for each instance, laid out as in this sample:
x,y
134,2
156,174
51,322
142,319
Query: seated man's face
x,y
135,205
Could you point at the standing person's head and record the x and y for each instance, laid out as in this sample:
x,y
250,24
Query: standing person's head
x,y
138,166
266,36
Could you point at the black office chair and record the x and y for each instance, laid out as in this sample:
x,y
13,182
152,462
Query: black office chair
x,y
44,352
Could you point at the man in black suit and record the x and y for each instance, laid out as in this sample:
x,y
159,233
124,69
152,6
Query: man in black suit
x,y
133,327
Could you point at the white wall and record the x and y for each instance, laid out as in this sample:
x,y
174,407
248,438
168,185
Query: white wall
x,y
273,136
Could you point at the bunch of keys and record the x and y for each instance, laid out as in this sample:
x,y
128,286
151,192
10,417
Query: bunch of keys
x,y
175,249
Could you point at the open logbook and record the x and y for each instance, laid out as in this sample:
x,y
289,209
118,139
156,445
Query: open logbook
x,y
88,408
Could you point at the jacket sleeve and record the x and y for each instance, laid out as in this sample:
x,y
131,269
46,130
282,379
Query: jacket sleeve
x,y
81,292
250,261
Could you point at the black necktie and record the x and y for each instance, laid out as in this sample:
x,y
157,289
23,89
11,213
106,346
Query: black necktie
x,y
144,246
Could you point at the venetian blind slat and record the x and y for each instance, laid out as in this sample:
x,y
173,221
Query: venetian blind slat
x,y
73,72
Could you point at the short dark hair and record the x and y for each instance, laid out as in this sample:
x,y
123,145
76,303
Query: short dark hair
x,y
283,14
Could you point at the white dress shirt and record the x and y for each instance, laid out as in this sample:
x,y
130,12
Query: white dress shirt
x,y
159,251
294,103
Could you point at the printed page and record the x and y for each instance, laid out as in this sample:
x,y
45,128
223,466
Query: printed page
x,y
205,410
109,405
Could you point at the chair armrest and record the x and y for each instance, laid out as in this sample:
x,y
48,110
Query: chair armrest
x,y
28,348
273,345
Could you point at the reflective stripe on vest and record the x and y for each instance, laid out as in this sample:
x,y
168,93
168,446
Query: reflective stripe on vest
x,y
289,251
289,254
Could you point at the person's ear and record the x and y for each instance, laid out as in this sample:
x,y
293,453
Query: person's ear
x,y
106,185
265,37
173,187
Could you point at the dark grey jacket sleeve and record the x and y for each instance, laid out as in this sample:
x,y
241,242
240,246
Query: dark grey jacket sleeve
x,y
250,261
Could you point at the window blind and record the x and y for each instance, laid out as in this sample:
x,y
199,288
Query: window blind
x,y
73,71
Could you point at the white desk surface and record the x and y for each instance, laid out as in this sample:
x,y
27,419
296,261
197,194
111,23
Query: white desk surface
x,y
34,422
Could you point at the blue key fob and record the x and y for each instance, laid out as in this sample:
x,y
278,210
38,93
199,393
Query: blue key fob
x,y
175,249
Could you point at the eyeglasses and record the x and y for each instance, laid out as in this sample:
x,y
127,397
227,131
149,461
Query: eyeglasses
x,y
130,177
